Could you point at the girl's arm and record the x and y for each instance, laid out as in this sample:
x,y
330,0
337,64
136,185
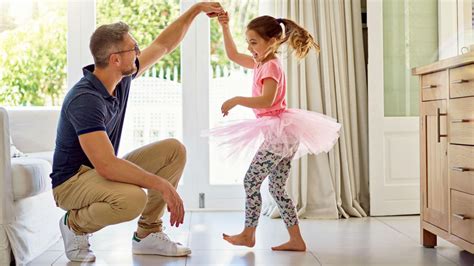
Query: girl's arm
x,y
264,101
230,48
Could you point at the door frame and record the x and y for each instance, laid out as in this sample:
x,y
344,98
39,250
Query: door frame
x,y
391,193
196,191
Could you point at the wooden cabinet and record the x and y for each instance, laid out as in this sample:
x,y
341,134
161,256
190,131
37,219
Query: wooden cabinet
x,y
461,163
461,80
447,151
462,209
434,155
434,86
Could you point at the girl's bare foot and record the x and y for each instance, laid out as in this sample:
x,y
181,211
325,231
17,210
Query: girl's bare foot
x,y
296,242
246,238
292,245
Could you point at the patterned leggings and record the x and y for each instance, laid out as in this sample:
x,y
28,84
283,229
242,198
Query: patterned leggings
x,y
277,167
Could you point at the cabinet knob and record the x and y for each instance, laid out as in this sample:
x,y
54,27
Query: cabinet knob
x,y
462,120
431,86
460,216
461,169
458,81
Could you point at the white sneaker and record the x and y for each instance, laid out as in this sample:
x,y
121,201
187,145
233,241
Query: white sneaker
x,y
158,244
76,246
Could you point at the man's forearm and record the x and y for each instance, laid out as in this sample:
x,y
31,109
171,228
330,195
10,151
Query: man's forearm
x,y
121,170
172,35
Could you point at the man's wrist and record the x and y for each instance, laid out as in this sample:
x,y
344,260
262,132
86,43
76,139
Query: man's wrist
x,y
198,7
158,183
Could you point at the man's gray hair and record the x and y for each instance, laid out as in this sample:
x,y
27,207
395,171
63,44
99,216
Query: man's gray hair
x,y
105,39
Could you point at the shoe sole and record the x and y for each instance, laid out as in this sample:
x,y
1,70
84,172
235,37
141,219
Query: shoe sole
x,y
154,252
76,260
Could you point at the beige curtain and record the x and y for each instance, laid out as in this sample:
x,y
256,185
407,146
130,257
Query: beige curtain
x,y
334,83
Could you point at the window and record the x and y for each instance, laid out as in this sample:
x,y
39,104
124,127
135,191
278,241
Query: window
x,y
465,23
33,57
410,39
154,108
229,80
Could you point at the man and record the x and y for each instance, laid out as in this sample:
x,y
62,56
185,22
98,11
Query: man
x,y
95,187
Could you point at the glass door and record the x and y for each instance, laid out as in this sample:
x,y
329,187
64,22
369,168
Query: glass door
x,y
403,34
209,79
154,109
223,186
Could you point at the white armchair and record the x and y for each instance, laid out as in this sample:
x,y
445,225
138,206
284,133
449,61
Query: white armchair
x,y
28,214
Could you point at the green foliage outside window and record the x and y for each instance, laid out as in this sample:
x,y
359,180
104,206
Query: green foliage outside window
x,y
146,18
33,58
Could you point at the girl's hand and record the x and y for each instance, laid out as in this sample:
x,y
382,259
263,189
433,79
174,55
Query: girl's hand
x,y
223,19
212,9
228,105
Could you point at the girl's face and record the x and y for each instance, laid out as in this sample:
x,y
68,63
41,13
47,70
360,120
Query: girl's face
x,y
259,48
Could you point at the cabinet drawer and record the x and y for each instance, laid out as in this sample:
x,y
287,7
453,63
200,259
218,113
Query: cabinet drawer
x,y
461,168
434,86
461,81
462,215
461,121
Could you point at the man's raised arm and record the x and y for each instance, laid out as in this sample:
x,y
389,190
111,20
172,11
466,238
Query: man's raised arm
x,y
172,35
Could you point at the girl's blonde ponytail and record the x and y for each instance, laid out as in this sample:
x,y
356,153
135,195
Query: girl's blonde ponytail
x,y
299,39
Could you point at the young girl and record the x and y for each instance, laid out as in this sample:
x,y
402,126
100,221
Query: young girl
x,y
282,134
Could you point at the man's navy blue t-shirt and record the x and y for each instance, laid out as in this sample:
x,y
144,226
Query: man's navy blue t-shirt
x,y
87,107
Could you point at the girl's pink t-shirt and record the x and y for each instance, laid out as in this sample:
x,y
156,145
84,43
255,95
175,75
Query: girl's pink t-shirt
x,y
270,69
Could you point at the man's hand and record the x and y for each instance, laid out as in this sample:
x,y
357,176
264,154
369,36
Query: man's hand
x,y
212,9
174,203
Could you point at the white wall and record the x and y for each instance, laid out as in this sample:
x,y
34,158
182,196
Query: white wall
x,y
447,28
81,25
454,23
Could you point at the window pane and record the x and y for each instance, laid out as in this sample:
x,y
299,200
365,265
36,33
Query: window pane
x,y
33,52
410,39
154,109
466,24
229,80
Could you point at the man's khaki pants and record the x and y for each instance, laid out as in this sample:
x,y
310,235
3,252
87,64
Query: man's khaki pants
x,y
94,202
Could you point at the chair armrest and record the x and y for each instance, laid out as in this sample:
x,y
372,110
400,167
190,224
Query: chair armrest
x,y
33,129
6,188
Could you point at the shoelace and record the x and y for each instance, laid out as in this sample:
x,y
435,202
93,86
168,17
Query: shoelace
x,y
165,237
82,241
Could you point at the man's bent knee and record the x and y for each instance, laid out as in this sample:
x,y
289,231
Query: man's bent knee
x,y
177,147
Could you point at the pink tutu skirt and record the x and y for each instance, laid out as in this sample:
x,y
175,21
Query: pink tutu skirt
x,y
292,131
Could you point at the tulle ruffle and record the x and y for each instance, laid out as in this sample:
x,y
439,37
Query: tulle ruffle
x,y
308,132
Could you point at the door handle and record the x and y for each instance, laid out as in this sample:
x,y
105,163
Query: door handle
x,y
459,81
460,216
462,120
431,86
461,169
438,120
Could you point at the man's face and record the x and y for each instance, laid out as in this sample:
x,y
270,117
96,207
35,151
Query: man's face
x,y
128,53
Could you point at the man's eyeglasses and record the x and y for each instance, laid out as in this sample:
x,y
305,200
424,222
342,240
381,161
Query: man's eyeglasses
x,y
135,48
